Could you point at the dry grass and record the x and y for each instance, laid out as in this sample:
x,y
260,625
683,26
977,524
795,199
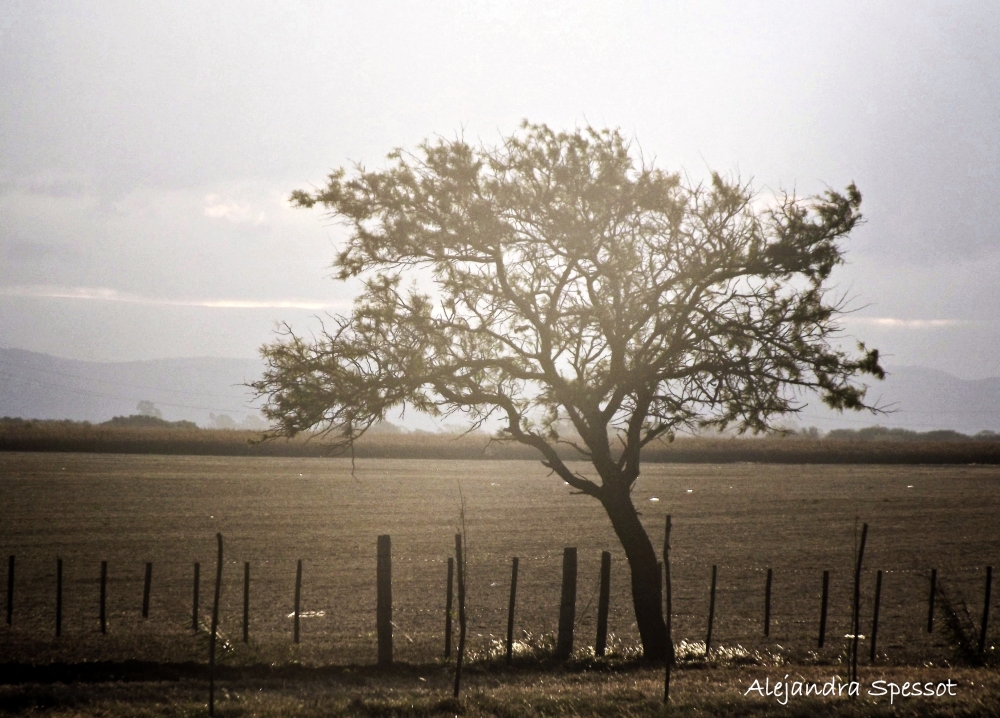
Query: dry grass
x,y
425,691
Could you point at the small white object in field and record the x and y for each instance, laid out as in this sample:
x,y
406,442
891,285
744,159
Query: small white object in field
x,y
654,499
910,486
690,491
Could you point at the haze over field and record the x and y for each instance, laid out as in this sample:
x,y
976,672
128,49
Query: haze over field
x,y
147,153
44,387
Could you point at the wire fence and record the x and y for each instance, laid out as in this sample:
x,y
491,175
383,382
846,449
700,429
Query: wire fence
x,y
337,615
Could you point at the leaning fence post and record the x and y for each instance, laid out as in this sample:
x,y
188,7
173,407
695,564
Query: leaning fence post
x,y
246,601
857,602
603,604
298,600
567,605
194,598
930,601
215,629
145,590
104,596
510,610
10,589
383,613
878,602
460,563
767,604
448,608
823,606
986,609
59,597
711,611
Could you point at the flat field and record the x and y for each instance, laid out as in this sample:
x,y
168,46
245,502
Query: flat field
x,y
797,519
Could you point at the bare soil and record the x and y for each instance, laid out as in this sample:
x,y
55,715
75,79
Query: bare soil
x,y
799,520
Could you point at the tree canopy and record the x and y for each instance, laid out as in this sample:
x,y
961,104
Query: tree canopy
x,y
579,294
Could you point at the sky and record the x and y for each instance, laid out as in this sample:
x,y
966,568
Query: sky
x,y
147,150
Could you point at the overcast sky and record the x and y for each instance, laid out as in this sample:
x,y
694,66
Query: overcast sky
x,y
147,149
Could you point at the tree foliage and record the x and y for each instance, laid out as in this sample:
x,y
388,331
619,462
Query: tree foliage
x,y
579,293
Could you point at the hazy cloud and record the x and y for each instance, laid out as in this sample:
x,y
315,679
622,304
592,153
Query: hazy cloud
x,y
113,295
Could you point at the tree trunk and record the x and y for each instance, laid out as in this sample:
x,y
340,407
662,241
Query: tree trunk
x,y
647,594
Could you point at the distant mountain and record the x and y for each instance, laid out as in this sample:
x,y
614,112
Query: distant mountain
x,y
920,399
40,386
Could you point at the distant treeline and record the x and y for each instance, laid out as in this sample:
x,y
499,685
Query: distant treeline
x,y
865,446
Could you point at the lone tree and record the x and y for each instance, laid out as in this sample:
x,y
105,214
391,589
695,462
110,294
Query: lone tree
x,y
580,295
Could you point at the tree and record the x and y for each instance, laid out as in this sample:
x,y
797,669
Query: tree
x,y
581,296
148,408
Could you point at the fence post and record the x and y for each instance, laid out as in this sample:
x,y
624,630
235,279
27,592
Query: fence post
x,y
567,605
448,608
823,606
603,604
669,597
59,597
145,590
10,589
930,602
857,602
767,604
194,600
215,629
510,611
460,563
711,612
878,602
104,596
298,600
986,609
383,612
246,601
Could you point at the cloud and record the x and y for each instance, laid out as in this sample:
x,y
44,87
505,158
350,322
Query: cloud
x,y
113,295
896,323
236,213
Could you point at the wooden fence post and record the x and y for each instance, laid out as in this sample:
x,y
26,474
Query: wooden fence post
x,y
246,601
59,597
603,605
823,606
670,609
510,611
711,612
215,629
857,603
384,600
986,609
567,605
145,590
930,602
10,589
767,604
878,602
194,599
104,596
298,601
448,608
460,563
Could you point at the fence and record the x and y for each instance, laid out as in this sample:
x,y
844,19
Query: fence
x,y
324,611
